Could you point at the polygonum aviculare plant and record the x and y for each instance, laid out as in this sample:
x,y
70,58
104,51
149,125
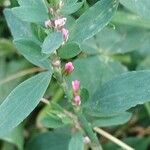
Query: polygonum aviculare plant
x,y
79,80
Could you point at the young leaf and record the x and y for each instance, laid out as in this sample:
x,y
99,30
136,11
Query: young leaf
x,y
22,100
32,52
76,142
52,42
69,50
121,93
93,20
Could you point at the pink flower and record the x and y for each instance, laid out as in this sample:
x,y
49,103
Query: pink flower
x,y
65,33
77,100
48,24
75,86
60,22
69,67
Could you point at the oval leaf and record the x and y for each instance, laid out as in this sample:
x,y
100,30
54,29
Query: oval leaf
x,y
72,8
22,100
111,121
19,29
31,10
122,93
97,69
52,42
69,50
32,52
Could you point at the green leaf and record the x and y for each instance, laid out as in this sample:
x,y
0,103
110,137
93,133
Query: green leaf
x,y
71,8
110,121
32,52
22,100
126,18
69,50
52,42
31,10
53,116
19,29
76,142
121,93
140,7
30,14
35,3
57,140
39,32
97,69
121,40
15,137
93,20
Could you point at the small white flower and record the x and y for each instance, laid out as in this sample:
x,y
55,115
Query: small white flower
x,y
60,22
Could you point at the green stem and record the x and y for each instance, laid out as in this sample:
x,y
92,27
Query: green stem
x,y
66,89
59,94
95,145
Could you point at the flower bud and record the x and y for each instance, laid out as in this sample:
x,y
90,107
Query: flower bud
x,y
56,63
77,100
65,33
69,67
60,22
75,86
48,24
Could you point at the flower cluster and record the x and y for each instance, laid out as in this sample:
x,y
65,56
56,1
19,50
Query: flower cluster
x,y
58,24
75,84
